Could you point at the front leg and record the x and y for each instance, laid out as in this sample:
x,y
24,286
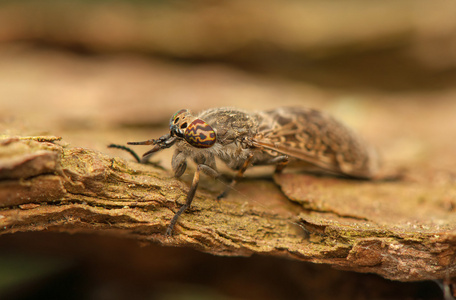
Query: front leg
x,y
191,194
188,202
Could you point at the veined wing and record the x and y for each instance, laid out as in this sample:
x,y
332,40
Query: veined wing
x,y
317,138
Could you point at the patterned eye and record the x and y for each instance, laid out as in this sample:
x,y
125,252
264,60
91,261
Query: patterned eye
x,y
199,134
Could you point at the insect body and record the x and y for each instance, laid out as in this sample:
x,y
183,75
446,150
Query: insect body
x,y
274,137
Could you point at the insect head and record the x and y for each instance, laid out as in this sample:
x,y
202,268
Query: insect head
x,y
195,131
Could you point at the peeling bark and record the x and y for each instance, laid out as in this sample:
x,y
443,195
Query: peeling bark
x,y
402,230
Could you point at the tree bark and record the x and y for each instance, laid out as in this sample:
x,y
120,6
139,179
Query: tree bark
x,y
402,230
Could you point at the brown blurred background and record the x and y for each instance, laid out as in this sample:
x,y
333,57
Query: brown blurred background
x,y
97,72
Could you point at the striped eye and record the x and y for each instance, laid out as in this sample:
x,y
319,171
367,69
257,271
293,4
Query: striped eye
x,y
200,135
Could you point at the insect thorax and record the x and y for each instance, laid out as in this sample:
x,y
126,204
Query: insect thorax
x,y
231,126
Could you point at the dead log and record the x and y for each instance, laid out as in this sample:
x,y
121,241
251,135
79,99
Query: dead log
x,y
401,230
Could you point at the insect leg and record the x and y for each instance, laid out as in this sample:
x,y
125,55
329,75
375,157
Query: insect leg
x,y
210,171
179,163
188,202
281,162
238,176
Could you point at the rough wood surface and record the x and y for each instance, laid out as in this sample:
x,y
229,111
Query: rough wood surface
x,y
400,230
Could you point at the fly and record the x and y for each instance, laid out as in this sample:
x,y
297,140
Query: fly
x,y
241,139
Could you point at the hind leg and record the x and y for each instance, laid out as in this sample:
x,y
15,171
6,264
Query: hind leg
x,y
238,176
280,161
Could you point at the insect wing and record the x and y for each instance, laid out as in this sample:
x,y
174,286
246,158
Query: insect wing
x,y
316,138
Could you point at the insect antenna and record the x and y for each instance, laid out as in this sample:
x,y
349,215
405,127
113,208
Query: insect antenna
x,y
148,142
133,153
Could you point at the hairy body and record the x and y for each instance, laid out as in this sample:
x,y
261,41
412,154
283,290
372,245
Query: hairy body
x,y
300,134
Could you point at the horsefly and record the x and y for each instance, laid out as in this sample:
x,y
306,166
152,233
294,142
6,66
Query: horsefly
x,y
280,137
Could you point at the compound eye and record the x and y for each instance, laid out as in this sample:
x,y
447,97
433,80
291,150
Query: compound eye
x,y
200,135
